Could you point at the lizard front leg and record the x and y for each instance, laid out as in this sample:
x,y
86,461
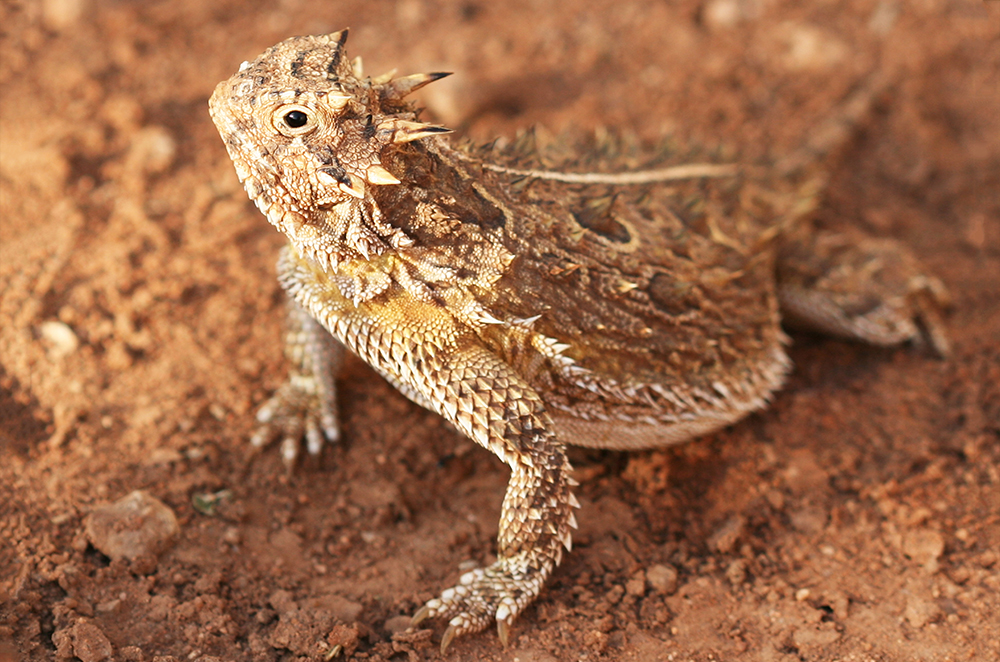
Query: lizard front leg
x,y
486,400
306,404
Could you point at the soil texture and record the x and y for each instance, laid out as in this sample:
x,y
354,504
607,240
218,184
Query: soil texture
x,y
858,518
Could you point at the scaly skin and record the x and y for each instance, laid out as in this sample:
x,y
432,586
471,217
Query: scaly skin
x,y
613,297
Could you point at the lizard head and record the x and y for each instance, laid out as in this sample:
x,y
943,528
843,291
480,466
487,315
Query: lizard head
x,y
306,132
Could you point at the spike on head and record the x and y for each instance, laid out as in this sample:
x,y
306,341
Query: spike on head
x,y
354,187
378,175
404,131
382,79
398,88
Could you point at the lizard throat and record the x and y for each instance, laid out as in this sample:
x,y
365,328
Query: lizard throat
x,y
348,230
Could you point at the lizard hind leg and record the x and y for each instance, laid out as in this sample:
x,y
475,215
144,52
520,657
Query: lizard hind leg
x,y
854,286
306,404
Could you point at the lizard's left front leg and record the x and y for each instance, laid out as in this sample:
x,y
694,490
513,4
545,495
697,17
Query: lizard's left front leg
x,y
489,402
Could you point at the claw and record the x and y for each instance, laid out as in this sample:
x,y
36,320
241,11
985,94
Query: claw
x,y
289,451
932,327
503,631
496,594
314,439
449,634
422,615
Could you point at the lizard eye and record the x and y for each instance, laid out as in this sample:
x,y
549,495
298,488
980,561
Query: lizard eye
x,y
294,120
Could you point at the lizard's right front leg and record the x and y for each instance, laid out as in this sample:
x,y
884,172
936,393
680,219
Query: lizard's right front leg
x,y
489,402
306,404
454,375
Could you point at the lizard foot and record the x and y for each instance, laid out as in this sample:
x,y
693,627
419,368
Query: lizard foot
x,y
928,298
497,593
873,290
302,407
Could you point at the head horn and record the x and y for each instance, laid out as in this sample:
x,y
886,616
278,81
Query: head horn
x,y
397,88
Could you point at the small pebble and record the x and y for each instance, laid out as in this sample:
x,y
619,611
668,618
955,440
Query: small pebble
x,y
345,637
89,642
61,338
232,536
662,579
920,611
726,13
810,48
736,573
924,546
136,525
152,150
988,559
726,536
809,637
131,654
58,15
636,585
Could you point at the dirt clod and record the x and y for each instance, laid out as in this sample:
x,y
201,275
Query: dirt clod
x,y
925,546
137,525
82,640
662,578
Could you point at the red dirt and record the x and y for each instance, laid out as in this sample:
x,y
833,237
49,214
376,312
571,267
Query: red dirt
x,y
856,519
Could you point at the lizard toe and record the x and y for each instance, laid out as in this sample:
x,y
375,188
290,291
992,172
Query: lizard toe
x,y
297,412
496,594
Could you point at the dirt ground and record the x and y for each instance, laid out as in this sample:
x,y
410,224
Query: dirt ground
x,y
856,519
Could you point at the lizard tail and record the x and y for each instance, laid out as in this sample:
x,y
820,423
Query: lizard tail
x,y
837,129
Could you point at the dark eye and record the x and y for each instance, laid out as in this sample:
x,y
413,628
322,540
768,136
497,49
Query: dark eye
x,y
296,119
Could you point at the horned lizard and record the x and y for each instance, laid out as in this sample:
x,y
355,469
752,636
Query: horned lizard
x,y
535,293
